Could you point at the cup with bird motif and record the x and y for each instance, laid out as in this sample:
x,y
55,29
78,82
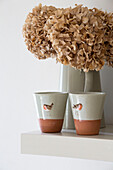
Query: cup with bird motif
x,y
50,108
87,109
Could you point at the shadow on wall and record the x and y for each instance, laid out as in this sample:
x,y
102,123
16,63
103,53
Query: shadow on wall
x,y
106,5
107,86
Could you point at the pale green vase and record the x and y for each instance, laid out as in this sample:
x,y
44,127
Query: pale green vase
x,y
73,81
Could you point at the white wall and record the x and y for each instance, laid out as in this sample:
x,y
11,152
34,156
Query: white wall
x,y
20,75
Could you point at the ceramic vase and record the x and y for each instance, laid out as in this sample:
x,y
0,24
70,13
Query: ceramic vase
x,y
73,81
87,111
50,110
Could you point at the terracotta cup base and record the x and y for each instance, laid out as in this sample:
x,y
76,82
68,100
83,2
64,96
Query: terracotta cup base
x,y
51,125
87,127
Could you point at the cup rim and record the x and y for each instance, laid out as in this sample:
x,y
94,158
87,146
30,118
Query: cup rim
x,y
49,93
87,93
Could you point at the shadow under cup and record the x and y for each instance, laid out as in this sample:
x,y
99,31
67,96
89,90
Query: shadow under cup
x,y
87,109
50,109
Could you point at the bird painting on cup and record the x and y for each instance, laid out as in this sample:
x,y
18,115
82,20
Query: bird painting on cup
x,y
47,107
77,108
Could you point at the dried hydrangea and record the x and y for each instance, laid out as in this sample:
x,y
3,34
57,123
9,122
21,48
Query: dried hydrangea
x,y
80,37
34,34
77,35
108,36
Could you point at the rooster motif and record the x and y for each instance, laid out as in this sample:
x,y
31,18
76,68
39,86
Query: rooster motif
x,y
78,106
47,107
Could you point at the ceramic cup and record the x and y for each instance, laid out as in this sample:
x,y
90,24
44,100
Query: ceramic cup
x,y
87,109
51,109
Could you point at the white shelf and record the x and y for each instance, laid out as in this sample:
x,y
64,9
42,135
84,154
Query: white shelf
x,y
68,144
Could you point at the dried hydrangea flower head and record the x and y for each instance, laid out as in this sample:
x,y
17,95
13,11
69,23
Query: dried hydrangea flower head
x,y
34,34
109,38
77,35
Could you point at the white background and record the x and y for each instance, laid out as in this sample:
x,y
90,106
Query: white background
x,y
20,75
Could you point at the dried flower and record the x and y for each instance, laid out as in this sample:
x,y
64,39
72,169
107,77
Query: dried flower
x,y
34,34
79,37
108,38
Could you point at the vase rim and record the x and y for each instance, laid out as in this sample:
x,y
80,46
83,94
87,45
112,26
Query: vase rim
x,y
87,93
49,92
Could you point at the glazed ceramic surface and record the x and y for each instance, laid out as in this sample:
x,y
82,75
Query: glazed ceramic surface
x,y
51,109
50,105
87,111
87,106
73,81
